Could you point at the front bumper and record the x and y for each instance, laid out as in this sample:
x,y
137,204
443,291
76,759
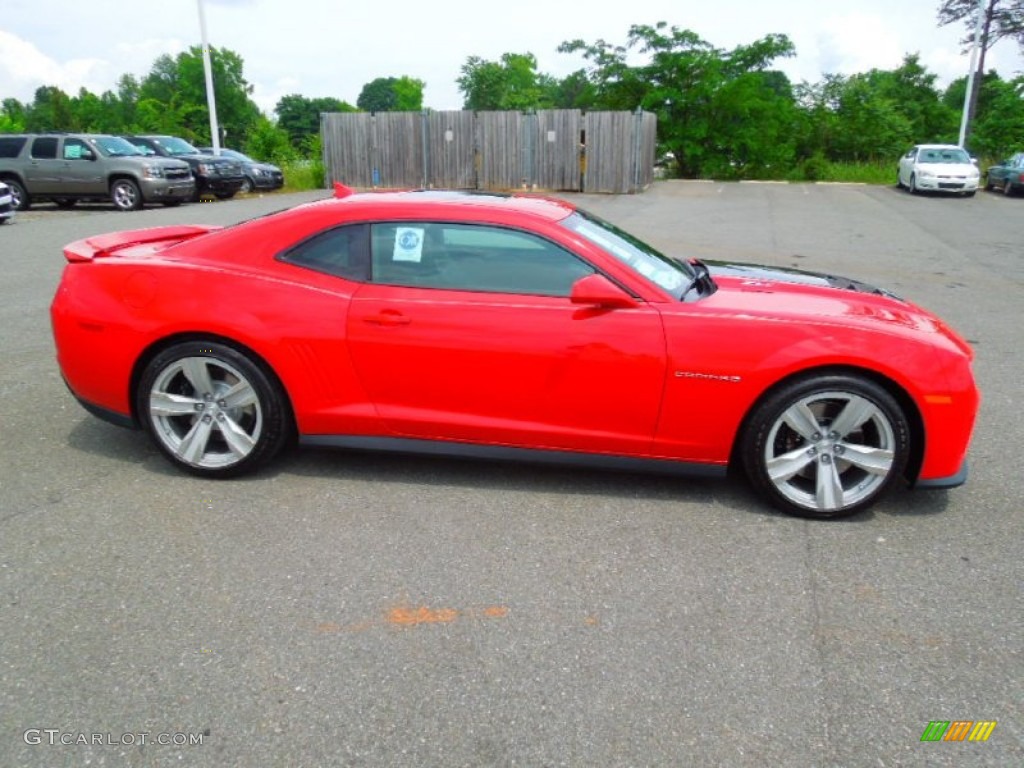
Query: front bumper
x,y
163,189
219,185
953,185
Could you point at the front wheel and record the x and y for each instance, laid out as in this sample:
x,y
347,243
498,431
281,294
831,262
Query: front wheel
x,y
125,195
913,184
211,409
826,446
1007,188
247,186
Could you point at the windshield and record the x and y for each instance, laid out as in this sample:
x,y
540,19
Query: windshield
x,y
668,274
115,146
176,146
950,155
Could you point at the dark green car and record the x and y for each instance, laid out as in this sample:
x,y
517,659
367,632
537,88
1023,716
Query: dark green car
x,y
1007,176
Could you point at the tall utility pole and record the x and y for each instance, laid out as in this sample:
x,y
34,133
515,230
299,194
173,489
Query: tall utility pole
x,y
211,101
969,100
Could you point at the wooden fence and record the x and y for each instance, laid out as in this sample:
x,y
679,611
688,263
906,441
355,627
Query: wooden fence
x,y
558,150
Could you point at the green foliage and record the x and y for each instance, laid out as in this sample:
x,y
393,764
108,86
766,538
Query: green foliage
x,y
720,113
179,84
300,116
408,94
510,83
269,142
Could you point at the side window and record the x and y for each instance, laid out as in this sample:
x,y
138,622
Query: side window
x,y
76,149
10,146
467,257
341,252
45,148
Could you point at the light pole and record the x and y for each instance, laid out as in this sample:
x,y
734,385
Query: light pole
x,y
211,101
970,75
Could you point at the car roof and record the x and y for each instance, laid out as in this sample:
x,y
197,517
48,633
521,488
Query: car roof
x,y
448,203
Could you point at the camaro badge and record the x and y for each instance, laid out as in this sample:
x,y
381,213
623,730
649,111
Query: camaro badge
x,y
707,376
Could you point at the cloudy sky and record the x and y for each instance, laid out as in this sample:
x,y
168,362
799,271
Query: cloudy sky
x,y
333,47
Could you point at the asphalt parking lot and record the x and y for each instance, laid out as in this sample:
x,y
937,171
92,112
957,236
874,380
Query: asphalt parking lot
x,y
361,610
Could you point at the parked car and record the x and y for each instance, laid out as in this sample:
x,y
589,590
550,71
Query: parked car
x,y
938,168
1007,176
217,176
6,204
258,175
68,167
508,327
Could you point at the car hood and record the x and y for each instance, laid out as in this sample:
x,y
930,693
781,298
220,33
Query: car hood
x,y
755,274
781,294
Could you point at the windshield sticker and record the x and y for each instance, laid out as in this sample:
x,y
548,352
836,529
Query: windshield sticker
x,y
408,244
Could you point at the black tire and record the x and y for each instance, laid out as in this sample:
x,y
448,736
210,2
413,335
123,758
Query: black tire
x,y
969,194
791,453
65,203
247,186
212,410
988,183
19,195
1007,188
125,195
913,184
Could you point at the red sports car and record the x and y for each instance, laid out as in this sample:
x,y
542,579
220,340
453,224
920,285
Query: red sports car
x,y
507,326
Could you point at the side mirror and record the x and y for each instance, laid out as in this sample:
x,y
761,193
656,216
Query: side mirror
x,y
88,154
598,291
974,160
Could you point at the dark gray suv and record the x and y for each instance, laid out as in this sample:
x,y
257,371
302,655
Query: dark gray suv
x,y
68,167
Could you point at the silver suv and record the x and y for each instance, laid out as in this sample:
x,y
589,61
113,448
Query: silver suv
x,y
66,168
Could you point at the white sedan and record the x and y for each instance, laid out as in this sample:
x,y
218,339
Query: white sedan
x,y
938,168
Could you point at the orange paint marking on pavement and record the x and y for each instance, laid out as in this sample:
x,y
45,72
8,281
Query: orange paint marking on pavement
x,y
411,617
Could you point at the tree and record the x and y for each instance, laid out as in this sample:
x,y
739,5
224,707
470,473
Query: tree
x,y
269,142
299,116
720,112
378,95
512,82
408,94
180,85
1002,19
50,111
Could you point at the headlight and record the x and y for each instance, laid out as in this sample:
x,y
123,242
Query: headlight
x,y
926,174
153,171
204,168
257,171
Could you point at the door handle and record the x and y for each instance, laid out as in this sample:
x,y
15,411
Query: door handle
x,y
387,317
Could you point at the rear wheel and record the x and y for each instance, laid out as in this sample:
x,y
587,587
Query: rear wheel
x,y
212,410
826,446
19,195
125,195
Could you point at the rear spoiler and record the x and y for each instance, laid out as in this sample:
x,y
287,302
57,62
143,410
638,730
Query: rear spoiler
x,y
102,246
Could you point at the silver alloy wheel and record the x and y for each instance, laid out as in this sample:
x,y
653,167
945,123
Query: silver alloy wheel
x,y
205,412
830,450
247,186
125,195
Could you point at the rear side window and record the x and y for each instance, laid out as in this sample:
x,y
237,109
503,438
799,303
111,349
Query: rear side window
x,y
10,146
343,252
44,148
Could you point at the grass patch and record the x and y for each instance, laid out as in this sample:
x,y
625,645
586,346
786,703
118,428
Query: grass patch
x,y
303,175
